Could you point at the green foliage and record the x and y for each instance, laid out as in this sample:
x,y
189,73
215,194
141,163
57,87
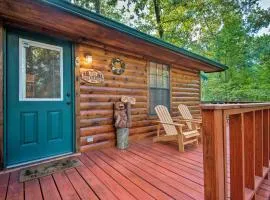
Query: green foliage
x,y
223,30
103,7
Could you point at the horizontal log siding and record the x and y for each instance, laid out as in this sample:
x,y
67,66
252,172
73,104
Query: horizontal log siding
x,y
96,101
185,89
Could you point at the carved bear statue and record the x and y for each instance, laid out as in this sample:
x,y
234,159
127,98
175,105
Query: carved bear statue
x,y
120,115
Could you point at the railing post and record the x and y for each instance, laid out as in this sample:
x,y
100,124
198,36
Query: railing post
x,y
258,143
269,131
249,138
213,154
237,154
248,149
265,139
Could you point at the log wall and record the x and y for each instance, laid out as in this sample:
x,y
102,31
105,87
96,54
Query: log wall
x,y
185,89
95,112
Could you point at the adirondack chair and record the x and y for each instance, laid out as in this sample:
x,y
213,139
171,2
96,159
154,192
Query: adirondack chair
x,y
191,123
173,130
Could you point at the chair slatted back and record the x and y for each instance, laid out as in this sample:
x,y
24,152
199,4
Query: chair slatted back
x,y
184,111
164,116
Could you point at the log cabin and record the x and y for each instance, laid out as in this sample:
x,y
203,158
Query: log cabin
x,y
47,107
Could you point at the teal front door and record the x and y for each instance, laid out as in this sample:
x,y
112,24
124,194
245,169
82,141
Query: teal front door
x,y
39,94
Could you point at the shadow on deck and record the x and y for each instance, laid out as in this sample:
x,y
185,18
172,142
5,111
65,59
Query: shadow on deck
x,y
144,171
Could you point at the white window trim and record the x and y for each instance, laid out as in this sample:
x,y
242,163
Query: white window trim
x,y
22,69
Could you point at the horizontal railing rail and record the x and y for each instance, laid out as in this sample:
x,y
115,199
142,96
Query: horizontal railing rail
x,y
236,149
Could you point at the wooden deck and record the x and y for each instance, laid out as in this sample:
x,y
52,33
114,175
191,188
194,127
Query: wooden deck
x,y
144,171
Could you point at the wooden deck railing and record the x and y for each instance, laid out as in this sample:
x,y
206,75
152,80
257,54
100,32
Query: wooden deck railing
x,y
236,149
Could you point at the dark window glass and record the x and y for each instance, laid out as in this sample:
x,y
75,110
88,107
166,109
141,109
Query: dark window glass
x,y
159,82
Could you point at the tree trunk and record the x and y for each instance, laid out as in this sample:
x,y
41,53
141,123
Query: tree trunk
x,y
158,18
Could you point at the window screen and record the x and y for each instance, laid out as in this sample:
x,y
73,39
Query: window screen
x,y
159,81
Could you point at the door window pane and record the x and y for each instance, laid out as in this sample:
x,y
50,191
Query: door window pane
x,y
40,71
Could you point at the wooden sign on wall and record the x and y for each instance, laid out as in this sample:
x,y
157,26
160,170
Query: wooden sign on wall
x,y
92,76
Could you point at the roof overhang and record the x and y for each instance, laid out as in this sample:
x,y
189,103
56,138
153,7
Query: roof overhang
x,y
80,24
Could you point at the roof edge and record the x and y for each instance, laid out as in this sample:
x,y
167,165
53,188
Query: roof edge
x,y
94,17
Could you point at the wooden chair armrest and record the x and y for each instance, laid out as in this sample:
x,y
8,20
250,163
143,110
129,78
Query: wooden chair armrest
x,y
175,118
195,121
197,116
174,124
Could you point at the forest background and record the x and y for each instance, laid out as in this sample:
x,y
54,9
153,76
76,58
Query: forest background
x,y
233,32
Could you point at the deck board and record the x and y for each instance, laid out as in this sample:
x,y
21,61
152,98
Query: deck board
x,y
162,177
168,173
146,186
15,189
107,180
64,186
100,189
145,171
82,188
125,183
148,177
181,165
172,166
48,188
4,178
32,190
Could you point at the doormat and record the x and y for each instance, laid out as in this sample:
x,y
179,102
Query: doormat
x,y
47,169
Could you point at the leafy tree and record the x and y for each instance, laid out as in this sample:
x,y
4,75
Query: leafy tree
x,y
103,7
223,30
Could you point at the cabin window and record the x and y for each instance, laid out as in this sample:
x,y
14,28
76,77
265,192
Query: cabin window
x,y
159,86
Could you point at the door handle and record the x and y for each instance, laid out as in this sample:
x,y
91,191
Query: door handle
x,y
68,103
68,94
